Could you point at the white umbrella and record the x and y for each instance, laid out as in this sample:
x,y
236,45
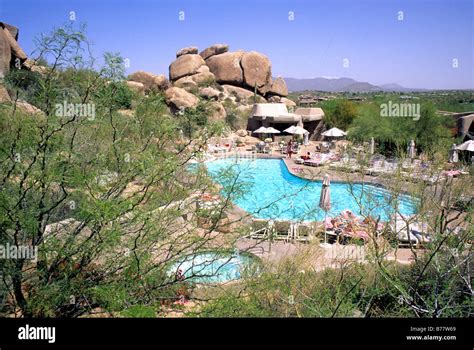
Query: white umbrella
x,y
271,130
372,146
300,131
411,149
261,130
453,154
290,130
334,132
325,200
466,146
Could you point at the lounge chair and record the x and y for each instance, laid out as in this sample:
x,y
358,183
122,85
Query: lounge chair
x,y
283,230
260,229
304,232
405,242
299,160
312,162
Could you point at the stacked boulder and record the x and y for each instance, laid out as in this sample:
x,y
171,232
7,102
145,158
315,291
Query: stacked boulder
x,y
11,53
218,75
145,82
189,70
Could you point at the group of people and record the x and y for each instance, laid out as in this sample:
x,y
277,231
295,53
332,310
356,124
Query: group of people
x,y
350,225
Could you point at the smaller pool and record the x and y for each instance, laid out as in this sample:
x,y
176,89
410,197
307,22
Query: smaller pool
x,y
214,267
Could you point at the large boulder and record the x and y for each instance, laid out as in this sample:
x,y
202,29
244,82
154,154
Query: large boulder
x,y
180,98
257,71
10,51
150,80
202,79
213,50
198,79
33,66
28,108
274,99
185,65
218,112
5,54
186,83
278,87
161,82
241,95
135,86
288,102
191,50
245,109
4,96
226,67
209,93
203,69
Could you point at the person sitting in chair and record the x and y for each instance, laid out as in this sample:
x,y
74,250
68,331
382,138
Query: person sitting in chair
x,y
306,157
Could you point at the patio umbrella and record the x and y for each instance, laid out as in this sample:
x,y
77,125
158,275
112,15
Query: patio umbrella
x,y
453,154
466,146
271,130
411,149
261,130
325,200
290,130
372,146
334,132
298,130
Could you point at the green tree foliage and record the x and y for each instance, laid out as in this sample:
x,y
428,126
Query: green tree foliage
x,y
97,195
431,131
340,114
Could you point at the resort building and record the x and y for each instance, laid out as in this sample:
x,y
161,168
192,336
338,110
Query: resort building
x,y
276,115
312,118
463,124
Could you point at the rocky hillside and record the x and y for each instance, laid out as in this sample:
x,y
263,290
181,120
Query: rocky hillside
x,y
226,78
230,81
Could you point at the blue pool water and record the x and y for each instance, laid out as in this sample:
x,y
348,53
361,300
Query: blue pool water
x,y
269,191
213,267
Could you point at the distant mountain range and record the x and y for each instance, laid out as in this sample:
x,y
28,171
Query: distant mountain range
x,y
341,85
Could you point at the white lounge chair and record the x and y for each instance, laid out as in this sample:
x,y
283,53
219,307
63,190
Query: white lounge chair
x,y
304,232
282,230
261,229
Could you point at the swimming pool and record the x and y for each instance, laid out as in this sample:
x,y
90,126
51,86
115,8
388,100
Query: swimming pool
x,y
267,190
214,267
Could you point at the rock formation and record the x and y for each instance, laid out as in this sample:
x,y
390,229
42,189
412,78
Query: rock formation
x,y
218,75
180,98
185,65
187,51
278,87
226,68
257,71
216,49
4,96
11,53
150,80
136,86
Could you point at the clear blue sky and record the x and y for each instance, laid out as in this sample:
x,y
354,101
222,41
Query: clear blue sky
x,y
415,52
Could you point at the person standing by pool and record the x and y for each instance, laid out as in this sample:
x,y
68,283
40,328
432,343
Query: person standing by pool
x,y
289,148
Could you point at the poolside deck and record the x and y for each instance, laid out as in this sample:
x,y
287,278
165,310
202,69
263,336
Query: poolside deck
x,y
318,258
